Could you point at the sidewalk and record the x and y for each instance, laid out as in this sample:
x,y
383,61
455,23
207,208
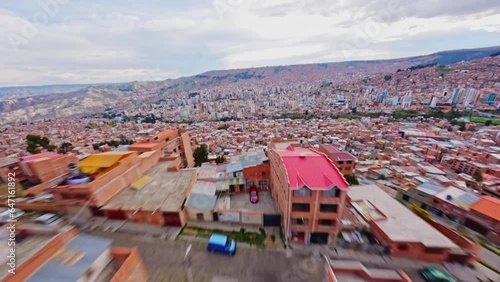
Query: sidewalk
x,y
124,226
222,226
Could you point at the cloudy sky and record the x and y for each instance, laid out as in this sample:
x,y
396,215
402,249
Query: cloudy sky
x,y
90,41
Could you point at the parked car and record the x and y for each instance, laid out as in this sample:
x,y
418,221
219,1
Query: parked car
x,y
222,244
254,195
7,215
49,219
433,274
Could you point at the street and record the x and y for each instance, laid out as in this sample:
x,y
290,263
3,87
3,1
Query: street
x,y
164,261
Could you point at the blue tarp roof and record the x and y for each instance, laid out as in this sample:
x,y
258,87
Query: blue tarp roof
x,y
55,271
201,201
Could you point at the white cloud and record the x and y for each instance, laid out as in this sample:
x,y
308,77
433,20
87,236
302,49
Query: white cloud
x,y
95,41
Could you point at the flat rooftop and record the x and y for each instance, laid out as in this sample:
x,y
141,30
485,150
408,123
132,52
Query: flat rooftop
x,y
399,223
306,167
24,250
85,250
241,201
164,192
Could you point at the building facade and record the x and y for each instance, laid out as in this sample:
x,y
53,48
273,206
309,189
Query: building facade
x,y
309,193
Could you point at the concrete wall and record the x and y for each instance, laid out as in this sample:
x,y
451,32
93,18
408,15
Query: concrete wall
x,y
257,173
32,264
132,269
407,249
97,267
188,150
192,214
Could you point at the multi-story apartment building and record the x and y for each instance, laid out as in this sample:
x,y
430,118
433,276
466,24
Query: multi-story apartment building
x,y
309,192
344,161
174,143
71,256
484,218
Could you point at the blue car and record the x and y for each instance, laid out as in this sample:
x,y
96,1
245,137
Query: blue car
x,y
222,244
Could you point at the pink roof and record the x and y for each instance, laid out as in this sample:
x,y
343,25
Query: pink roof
x,y
336,154
308,168
48,155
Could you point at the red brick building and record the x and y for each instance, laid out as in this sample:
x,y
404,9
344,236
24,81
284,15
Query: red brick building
x,y
344,161
74,257
309,192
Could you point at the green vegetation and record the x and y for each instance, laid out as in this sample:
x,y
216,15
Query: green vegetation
x,y
282,236
351,179
36,143
442,70
485,121
381,177
65,148
220,159
478,176
223,127
200,155
112,143
487,265
485,244
241,236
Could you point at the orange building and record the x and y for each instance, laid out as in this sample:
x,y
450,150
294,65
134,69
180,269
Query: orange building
x,y
37,173
309,192
345,162
174,144
102,177
72,257
484,218
396,227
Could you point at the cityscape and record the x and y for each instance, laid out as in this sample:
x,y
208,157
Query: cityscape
x,y
271,167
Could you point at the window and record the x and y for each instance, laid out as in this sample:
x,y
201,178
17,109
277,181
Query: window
x,y
334,192
263,173
263,184
406,198
326,222
327,208
433,250
436,202
340,162
403,247
302,192
300,207
300,221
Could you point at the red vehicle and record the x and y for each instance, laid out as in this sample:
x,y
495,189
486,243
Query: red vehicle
x,y
254,195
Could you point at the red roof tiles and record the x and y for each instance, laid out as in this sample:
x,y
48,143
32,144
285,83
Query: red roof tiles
x,y
306,167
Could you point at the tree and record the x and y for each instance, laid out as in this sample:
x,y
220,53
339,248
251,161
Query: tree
x,y
488,122
220,159
200,155
381,177
352,180
34,142
478,176
65,148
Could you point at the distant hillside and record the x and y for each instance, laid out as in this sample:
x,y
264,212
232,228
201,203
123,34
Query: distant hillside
x,y
25,91
24,103
455,56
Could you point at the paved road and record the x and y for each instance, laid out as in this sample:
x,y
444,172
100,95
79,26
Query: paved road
x,y
164,261
491,258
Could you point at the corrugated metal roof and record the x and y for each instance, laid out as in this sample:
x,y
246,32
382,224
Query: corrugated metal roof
x,y
103,160
92,247
201,201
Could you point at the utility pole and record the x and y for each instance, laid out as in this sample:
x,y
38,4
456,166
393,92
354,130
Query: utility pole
x,y
187,264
